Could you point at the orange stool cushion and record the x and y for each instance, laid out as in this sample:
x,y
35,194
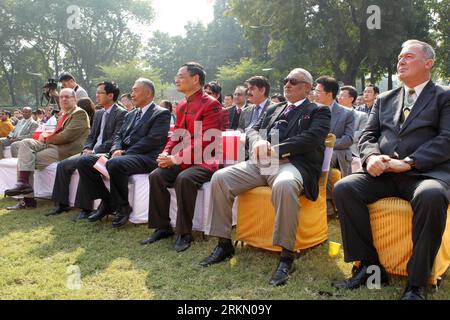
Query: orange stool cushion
x,y
391,221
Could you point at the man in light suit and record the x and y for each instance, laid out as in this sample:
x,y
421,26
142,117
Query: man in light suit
x,y
134,151
347,98
405,153
23,130
67,140
301,128
258,91
342,126
107,123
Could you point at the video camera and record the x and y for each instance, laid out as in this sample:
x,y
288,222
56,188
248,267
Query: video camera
x,y
51,84
50,94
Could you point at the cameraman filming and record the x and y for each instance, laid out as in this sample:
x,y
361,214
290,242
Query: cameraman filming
x,y
50,93
68,81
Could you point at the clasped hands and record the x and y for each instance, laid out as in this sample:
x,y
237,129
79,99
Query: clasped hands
x,y
377,165
262,150
165,161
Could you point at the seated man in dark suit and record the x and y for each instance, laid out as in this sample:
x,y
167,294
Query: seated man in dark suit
x,y
292,133
342,126
405,153
134,151
240,103
107,123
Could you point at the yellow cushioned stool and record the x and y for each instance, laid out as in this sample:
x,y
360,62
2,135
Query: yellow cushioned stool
x,y
335,176
256,215
391,221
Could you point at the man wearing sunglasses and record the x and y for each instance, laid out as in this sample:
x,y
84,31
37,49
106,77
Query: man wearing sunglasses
x,y
303,128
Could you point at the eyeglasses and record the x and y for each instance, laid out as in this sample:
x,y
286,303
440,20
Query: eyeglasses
x,y
293,81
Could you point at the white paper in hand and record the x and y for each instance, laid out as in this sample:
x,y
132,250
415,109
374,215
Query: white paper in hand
x,y
100,166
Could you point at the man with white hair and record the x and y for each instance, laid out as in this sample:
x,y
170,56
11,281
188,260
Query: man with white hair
x,y
405,153
67,140
302,128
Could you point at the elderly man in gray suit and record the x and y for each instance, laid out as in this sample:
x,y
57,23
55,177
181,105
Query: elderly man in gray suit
x,y
405,153
347,98
342,126
23,130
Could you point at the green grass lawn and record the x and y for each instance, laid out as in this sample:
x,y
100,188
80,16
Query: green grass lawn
x,y
37,254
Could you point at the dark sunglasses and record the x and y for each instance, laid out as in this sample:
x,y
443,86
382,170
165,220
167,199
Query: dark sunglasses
x,y
293,81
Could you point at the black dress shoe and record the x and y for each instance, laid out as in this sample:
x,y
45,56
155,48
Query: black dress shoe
x,y
84,215
414,293
183,243
220,253
159,234
281,275
122,217
58,210
19,189
24,204
359,278
102,211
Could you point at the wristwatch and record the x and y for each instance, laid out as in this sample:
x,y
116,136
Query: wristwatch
x,y
410,161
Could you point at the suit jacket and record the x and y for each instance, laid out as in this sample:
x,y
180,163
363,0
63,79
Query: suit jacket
x,y
148,137
26,131
343,127
425,135
247,113
234,117
74,131
361,119
112,127
303,142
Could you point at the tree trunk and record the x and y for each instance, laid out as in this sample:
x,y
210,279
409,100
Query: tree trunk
x,y
363,82
390,82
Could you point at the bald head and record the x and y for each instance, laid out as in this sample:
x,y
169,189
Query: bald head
x,y
67,99
27,112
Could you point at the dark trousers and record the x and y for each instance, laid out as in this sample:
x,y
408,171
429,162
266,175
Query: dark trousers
x,y
64,173
92,187
186,184
429,199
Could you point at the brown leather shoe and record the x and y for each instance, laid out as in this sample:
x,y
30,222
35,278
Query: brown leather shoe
x,y
24,204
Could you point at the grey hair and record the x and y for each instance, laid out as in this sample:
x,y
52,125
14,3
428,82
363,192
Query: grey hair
x,y
27,108
426,48
306,75
147,83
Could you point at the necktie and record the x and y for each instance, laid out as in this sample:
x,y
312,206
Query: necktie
x,y
238,111
288,111
408,104
102,129
255,116
138,117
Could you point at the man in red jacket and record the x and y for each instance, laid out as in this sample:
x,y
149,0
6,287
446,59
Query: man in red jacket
x,y
183,165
